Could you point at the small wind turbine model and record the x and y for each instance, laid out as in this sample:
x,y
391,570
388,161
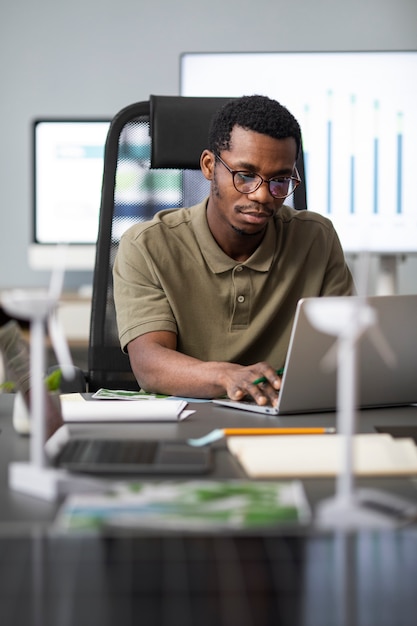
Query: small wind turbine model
x,y
39,307
348,319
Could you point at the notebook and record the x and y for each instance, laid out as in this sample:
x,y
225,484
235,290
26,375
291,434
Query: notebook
x,y
288,457
308,387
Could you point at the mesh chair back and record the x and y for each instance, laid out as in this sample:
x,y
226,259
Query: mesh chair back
x,y
133,190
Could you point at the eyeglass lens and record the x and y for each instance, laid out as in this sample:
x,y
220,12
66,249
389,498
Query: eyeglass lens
x,y
248,183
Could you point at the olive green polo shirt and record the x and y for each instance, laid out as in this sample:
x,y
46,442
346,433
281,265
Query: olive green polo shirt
x,y
170,274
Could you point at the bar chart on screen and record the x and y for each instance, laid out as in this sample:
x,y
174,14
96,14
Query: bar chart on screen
x,y
359,127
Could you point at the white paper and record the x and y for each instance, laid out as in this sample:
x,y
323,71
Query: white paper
x,y
116,411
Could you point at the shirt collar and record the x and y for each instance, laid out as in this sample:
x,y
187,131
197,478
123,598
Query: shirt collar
x,y
217,260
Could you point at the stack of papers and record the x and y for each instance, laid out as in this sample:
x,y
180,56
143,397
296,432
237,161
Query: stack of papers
x,y
321,455
75,408
187,506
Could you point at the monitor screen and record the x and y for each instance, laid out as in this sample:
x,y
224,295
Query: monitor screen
x,y
358,116
67,178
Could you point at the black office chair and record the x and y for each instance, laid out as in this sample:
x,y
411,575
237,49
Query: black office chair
x,y
151,162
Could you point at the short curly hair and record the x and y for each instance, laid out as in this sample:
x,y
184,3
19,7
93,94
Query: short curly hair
x,y
258,113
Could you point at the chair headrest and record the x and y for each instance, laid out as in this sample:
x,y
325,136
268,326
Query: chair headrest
x,y
179,127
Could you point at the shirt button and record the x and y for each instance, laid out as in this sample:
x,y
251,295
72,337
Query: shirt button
x,y
241,299
239,268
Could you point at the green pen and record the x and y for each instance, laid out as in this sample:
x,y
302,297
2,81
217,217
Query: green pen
x,y
263,379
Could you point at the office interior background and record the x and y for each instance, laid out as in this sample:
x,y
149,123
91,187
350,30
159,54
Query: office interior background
x,y
90,59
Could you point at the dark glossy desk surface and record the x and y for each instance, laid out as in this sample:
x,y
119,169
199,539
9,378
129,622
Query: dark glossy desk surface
x,y
366,579
288,578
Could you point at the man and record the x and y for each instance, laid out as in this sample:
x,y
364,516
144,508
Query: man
x,y
206,296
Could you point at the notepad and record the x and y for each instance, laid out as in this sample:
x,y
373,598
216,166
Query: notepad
x,y
77,409
321,455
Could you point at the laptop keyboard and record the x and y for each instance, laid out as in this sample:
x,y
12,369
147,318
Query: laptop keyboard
x,y
113,452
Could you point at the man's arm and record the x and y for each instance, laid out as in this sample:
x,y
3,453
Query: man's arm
x,y
159,368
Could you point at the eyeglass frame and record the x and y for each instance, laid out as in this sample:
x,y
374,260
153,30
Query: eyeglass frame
x,y
296,179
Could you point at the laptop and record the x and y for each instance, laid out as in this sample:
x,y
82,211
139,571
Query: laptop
x,y
308,387
130,457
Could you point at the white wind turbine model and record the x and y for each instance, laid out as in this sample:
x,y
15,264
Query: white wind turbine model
x,y
39,307
349,319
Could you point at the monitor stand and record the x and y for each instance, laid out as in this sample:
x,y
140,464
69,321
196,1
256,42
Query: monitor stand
x,y
387,281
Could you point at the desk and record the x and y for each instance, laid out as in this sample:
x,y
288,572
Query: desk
x,y
289,578
21,509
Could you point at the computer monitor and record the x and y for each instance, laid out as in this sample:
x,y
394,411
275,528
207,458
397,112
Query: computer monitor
x,y
67,177
358,116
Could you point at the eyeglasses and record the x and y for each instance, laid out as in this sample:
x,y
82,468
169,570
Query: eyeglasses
x,y
248,182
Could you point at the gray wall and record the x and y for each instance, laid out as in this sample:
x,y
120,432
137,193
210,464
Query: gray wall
x,y
91,57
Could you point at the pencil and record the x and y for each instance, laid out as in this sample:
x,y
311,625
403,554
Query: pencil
x,y
278,431
263,379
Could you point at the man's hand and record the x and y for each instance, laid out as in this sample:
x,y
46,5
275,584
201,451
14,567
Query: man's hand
x,y
240,382
159,368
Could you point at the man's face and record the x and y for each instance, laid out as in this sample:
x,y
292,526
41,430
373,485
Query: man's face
x,y
252,152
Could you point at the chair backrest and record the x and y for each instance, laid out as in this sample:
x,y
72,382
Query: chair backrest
x,y
151,162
